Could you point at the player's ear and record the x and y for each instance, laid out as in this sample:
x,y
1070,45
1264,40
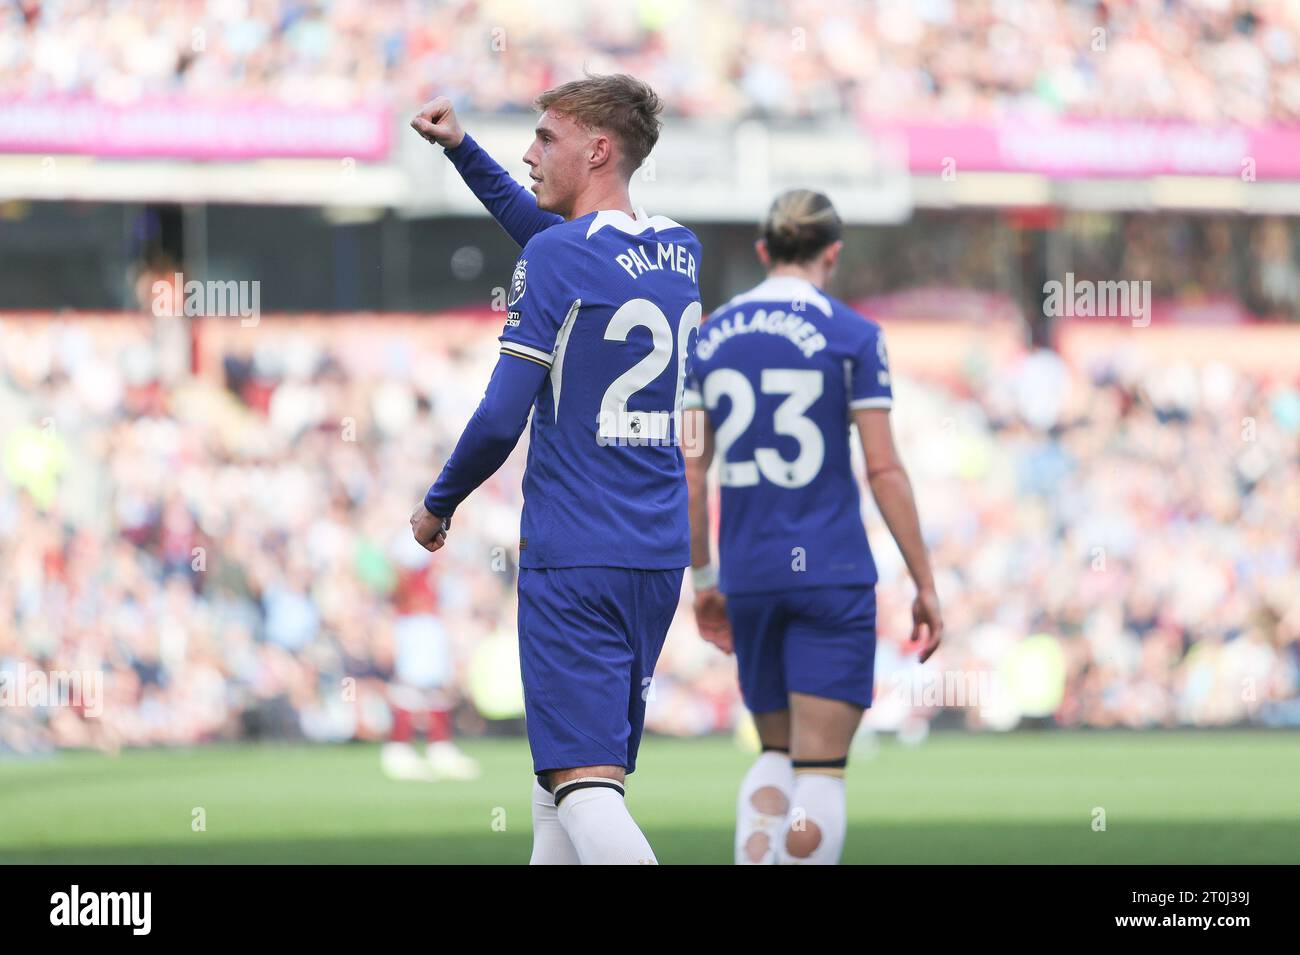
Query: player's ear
x,y
600,151
832,255
764,257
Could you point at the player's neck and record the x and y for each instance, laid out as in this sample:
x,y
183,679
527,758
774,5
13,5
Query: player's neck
x,y
815,276
599,199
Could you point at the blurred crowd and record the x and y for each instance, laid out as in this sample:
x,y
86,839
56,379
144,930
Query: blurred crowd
x,y
1198,60
1116,545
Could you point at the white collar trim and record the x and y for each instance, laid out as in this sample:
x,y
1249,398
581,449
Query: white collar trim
x,y
620,220
783,288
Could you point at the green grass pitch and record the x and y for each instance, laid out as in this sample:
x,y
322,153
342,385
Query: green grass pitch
x,y
1168,797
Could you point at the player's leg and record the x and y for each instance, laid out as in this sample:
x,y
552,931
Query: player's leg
x,y
593,811
817,823
830,662
444,756
765,792
423,670
398,756
592,797
577,662
551,844
758,632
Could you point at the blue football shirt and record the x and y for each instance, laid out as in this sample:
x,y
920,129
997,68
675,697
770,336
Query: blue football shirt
x,y
611,305
780,370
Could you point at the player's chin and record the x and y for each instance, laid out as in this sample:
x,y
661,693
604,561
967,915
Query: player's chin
x,y
545,201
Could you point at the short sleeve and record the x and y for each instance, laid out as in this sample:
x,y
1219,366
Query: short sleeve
x,y
540,301
692,393
870,385
693,388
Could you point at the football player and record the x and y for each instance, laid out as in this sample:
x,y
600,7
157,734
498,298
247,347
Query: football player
x,y
602,311
779,376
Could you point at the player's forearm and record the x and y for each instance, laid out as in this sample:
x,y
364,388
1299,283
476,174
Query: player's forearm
x,y
490,436
697,444
697,488
510,204
893,493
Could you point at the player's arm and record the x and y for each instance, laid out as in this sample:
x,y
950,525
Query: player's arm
x,y
892,489
513,206
697,425
486,442
710,604
871,396
541,300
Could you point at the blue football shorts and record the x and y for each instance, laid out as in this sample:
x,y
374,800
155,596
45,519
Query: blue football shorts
x,y
820,641
589,638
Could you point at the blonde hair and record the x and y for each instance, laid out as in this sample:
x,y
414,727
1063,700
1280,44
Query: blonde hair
x,y
619,104
799,225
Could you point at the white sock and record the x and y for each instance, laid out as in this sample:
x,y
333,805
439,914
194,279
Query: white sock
x,y
817,813
551,844
599,825
759,833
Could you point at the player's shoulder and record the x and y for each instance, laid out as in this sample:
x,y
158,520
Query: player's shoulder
x,y
555,239
855,323
672,230
723,310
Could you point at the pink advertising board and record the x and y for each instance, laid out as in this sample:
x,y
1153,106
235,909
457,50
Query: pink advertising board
x,y
188,129
1084,149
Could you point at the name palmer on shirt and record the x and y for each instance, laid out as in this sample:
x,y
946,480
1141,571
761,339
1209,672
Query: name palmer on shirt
x,y
796,328
638,260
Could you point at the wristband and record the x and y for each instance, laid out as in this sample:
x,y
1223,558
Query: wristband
x,y
704,578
